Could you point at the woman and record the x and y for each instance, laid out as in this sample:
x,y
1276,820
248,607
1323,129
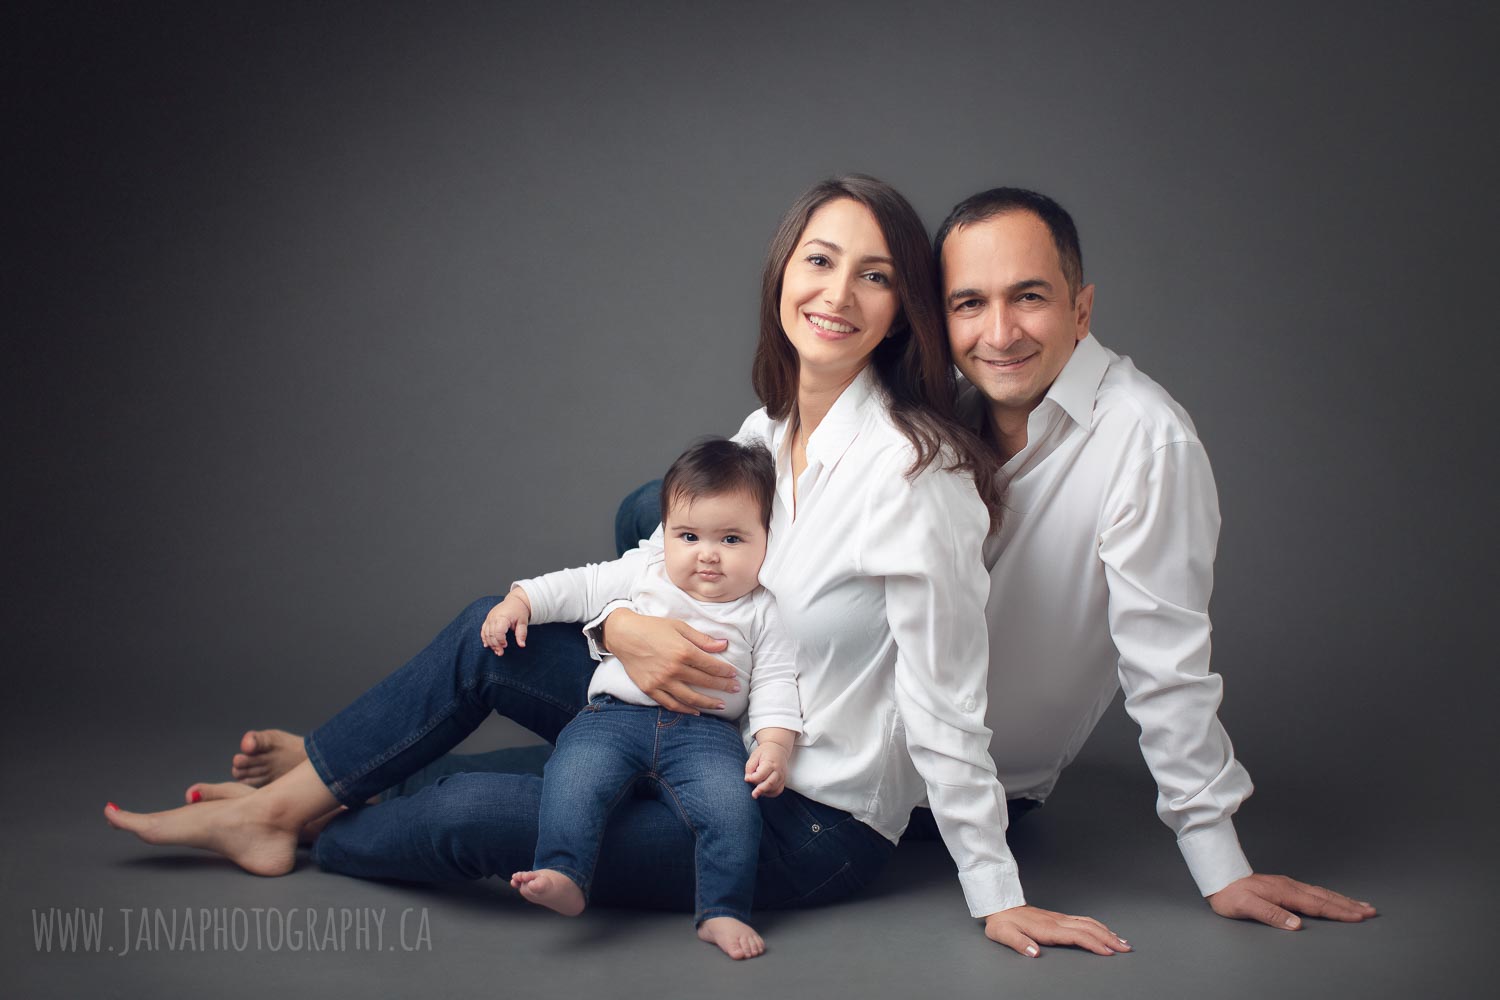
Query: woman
x,y
875,562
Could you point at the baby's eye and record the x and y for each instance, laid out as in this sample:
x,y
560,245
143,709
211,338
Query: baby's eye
x,y
688,536
732,539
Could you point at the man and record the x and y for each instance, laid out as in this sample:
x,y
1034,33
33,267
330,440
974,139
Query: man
x,y
1101,573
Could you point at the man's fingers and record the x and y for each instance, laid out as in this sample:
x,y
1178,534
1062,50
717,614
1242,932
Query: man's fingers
x,y
1272,915
1316,901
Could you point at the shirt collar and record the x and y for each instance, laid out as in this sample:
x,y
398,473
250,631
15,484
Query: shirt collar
x,y
1078,383
840,426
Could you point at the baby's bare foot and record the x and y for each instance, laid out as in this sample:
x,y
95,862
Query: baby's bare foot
x,y
234,828
265,755
735,938
551,889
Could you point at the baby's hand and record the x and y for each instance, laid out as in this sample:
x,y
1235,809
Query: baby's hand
x,y
766,769
512,613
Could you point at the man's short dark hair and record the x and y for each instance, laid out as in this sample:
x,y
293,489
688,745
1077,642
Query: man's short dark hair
x,y
716,466
998,201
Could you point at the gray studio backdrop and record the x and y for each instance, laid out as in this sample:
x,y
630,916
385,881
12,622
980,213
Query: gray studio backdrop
x,y
322,320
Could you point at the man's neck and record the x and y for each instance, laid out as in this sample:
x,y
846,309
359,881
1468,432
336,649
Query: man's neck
x,y
1009,430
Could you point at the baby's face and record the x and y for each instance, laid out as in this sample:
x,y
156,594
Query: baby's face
x,y
715,545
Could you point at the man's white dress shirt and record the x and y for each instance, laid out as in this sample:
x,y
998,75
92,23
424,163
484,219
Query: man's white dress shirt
x,y
1100,578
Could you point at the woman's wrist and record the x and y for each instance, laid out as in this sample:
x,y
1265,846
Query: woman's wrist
x,y
617,619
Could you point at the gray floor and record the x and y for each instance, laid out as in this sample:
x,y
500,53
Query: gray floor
x,y
1095,848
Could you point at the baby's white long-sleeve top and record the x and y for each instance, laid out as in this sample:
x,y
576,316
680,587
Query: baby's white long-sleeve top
x,y
761,651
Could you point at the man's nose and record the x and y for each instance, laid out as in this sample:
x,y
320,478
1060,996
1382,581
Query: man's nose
x,y
1000,332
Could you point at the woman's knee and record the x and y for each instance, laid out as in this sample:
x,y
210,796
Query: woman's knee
x,y
638,515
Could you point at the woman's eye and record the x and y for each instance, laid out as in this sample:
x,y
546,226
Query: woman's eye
x,y
878,277
817,260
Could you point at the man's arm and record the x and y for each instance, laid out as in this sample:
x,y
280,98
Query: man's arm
x,y
1157,545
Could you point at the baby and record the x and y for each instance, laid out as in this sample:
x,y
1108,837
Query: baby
x,y
716,514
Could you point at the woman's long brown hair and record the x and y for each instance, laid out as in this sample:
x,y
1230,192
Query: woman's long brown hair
x,y
912,364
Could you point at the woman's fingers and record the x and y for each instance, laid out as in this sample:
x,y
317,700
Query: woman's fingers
x,y
1008,934
1024,926
1073,931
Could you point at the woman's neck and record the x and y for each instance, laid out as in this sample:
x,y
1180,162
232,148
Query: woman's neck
x,y
816,396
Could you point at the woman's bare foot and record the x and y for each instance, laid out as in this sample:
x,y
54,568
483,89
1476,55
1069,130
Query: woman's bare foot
x,y
211,791
735,938
265,755
551,889
234,828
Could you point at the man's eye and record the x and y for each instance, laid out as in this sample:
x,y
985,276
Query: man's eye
x,y
1029,297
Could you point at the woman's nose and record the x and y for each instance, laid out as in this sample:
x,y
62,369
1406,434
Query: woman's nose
x,y
839,290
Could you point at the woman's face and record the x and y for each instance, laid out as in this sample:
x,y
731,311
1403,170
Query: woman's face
x,y
838,294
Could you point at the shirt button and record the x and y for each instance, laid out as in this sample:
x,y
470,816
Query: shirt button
x,y
817,828
970,704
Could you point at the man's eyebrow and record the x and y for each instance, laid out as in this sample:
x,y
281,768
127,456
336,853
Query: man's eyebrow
x,y
867,259
959,294
1025,285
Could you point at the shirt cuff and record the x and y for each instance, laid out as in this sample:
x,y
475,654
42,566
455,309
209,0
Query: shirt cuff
x,y
593,631
756,723
991,888
1214,857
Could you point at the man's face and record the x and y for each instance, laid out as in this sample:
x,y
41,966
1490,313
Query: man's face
x,y
1012,324
714,546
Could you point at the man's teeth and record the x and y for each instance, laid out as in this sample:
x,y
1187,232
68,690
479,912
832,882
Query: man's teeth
x,y
830,325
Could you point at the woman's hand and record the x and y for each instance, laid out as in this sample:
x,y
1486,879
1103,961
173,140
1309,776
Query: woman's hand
x,y
1025,927
667,658
766,769
512,613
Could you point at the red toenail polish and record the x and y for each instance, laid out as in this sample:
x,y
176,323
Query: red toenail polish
x,y
196,796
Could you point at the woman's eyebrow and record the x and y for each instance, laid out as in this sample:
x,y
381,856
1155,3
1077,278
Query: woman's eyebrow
x,y
868,259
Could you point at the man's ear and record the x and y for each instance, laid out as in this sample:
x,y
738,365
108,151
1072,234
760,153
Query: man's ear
x,y
1083,311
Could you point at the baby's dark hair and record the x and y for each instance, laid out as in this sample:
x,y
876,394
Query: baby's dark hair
x,y
716,466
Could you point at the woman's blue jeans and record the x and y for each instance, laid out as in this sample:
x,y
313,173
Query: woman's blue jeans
x,y
693,763
469,825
